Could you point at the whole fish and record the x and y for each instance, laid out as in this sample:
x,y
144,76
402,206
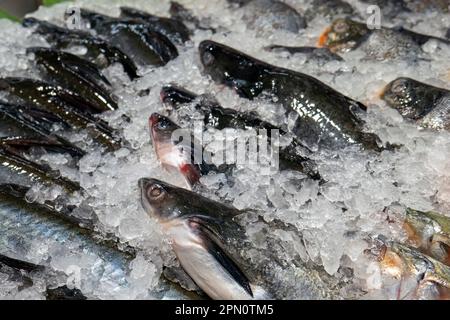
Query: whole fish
x,y
66,105
385,43
98,50
76,74
134,37
173,29
210,246
421,102
430,232
419,276
326,118
294,156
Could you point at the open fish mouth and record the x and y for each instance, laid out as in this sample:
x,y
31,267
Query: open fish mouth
x,y
233,149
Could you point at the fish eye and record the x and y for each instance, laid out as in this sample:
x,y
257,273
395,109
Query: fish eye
x,y
163,124
399,86
341,27
208,58
155,192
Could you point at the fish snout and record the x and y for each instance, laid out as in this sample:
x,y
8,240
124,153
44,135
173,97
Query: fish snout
x,y
154,119
207,49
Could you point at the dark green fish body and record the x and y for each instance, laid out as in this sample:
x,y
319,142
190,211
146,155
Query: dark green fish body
x,y
210,245
173,29
426,104
293,156
98,50
68,106
76,74
134,37
35,124
29,172
326,118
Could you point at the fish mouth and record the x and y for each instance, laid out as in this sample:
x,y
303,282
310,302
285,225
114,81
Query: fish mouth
x,y
164,94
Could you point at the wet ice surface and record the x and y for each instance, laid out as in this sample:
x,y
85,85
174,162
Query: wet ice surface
x,y
333,218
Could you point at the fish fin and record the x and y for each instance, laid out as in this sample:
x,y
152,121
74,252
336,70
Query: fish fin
x,y
212,245
191,173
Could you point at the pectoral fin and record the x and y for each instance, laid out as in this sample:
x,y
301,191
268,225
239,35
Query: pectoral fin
x,y
211,243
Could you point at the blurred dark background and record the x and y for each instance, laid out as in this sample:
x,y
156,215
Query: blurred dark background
x,y
19,8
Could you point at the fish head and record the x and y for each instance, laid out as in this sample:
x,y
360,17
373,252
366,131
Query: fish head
x,y
161,128
173,95
402,94
235,69
163,201
343,35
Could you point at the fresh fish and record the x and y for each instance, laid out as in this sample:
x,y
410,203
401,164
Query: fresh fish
x,y
134,37
210,245
98,50
328,9
19,144
177,149
429,231
26,226
173,29
18,120
312,53
386,43
30,172
420,276
258,13
66,105
424,103
294,156
326,118
76,74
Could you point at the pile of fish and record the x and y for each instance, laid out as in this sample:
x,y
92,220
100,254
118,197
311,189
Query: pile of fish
x,y
357,209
